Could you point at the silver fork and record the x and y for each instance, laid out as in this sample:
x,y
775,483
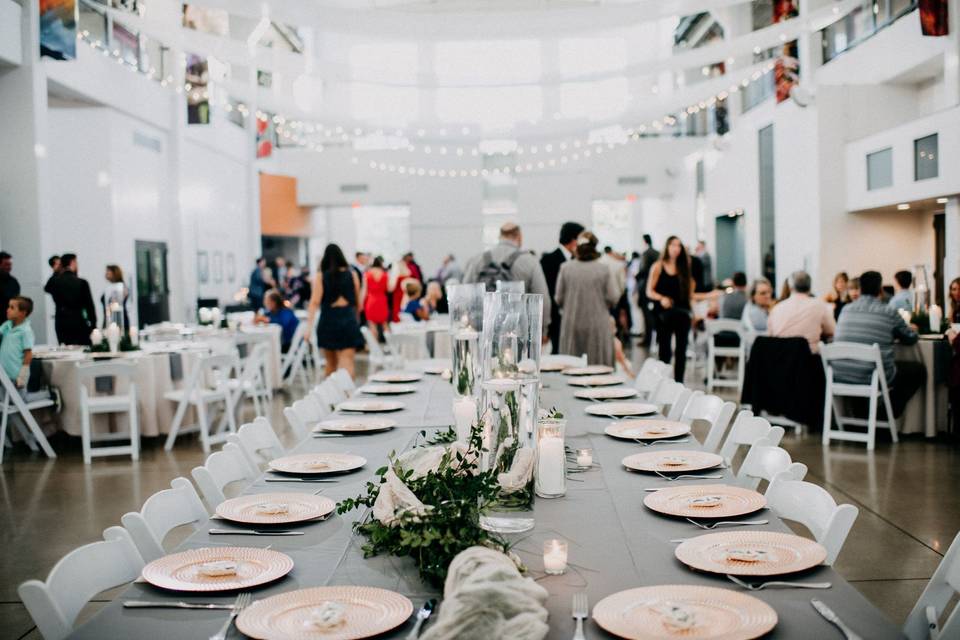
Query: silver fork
x,y
688,477
579,613
242,602
725,523
778,583
653,442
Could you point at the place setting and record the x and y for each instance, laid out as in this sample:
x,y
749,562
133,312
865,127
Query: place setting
x,y
387,389
351,426
312,467
269,512
605,393
556,362
602,380
621,409
360,405
396,377
588,370
649,432
672,465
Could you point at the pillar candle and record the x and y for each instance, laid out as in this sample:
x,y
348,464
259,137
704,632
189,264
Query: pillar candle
x,y
464,415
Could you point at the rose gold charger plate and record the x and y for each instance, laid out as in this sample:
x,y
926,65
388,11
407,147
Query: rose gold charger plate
x,y
300,508
359,424
387,389
606,380
654,613
311,463
370,406
655,429
617,409
589,370
181,571
672,461
396,376
705,501
368,611
606,393
750,553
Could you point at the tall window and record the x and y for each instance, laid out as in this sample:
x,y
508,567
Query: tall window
x,y
612,223
926,164
880,169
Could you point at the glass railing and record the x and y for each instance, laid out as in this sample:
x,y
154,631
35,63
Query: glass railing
x,y
861,24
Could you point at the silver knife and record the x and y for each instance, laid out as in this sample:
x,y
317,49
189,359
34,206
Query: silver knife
x,y
422,616
253,532
834,619
146,604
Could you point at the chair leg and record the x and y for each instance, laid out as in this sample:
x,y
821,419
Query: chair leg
x,y
827,416
204,425
134,430
85,435
177,421
872,423
231,420
3,428
711,366
891,421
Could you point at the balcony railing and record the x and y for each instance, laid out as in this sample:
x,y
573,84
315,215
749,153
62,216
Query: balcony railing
x,y
861,24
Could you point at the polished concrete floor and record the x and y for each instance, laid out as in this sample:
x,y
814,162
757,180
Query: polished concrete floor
x,y
906,493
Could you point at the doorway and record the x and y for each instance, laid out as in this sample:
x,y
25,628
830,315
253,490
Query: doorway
x,y
731,254
153,292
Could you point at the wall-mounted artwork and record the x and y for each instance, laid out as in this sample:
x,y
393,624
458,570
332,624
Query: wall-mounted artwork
x,y
58,29
231,267
217,266
203,267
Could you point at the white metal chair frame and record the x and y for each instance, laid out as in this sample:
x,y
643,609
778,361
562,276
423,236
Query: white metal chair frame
x,y
161,513
258,442
712,409
91,405
15,406
54,603
814,508
252,380
923,621
344,382
651,374
220,368
764,460
875,390
713,327
294,361
221,469
670,392
746,430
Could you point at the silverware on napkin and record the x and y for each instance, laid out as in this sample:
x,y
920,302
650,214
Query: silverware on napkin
x,y
580,613
779,583
150,604
686,476
242,602
725,523
253,532
834,619
425,611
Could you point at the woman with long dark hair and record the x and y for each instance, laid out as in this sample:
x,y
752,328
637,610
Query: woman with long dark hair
x,y
670,286
336,293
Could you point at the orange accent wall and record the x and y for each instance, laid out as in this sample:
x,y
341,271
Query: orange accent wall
x,y
279,213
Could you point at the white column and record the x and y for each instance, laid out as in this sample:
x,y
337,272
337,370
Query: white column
x,y
951,59
951,259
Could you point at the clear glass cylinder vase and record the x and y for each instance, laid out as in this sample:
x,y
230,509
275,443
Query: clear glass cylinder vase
x,y
466,323
510,455
550,478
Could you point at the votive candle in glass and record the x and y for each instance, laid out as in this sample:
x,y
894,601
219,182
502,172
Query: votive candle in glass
x,y
584,458
555,556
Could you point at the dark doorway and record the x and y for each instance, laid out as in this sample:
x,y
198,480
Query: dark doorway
x,y
731,254
939,256
153,292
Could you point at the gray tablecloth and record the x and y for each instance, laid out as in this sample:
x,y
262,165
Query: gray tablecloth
x,y
615,543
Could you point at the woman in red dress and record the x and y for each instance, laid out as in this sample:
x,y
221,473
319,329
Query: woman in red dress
x,y
375,306
399,273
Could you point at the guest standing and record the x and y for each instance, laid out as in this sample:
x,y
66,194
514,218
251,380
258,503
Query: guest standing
x,y
260,281
116,292
954,301
802,315
414,268
278,313
336,294
903,298
376,307
9,287
706,262
550,264
647,260
586,288
399,274
761,301
450,270
76,316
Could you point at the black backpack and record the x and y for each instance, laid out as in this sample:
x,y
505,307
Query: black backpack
x,y
492,271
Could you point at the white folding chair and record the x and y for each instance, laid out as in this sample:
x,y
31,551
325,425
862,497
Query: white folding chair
x,y
651,374
729,327
258,442
713,410
673,394
220,469
119,374
747,429
763,461
294,361
923,621
344,382
252,381
14,406
206,385
377,356
814,508
875,390
161,513
327,395
81,574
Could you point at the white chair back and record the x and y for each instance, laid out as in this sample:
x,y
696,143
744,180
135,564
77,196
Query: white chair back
x,y
673,394
221,469
746,430
120,401
81,574
292,362
814,508
714,351
763,461
161,513
923,621
378,358
14,405
876,390
713,410
298,427
258,442
344,382
208,382
651,374
327,395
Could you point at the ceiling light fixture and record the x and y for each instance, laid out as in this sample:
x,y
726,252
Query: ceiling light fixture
x,y
903,206
942,200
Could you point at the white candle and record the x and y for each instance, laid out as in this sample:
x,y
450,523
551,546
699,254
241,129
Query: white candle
x,y
96,337
464,415
936,317
134,336
113,336
584,458
555,556
550,466
215,316
205,315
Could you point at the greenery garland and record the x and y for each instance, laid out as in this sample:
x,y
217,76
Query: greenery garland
x,y
457,491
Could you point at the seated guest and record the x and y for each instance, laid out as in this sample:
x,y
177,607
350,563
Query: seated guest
x,y
868,321
16,341
801,315
853,289
414,305
903,296
733,302
433,298
954,316
755,312
279,313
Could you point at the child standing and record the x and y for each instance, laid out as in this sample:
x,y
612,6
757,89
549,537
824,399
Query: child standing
x,y
16,341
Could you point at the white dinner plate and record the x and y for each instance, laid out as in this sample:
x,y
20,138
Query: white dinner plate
x,y
370,406
617,409
387,389
358,424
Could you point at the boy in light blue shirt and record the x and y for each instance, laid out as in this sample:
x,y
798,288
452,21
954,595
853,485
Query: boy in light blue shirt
x,y
16,341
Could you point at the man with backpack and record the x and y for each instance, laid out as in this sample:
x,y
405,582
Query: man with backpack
x,y
508,262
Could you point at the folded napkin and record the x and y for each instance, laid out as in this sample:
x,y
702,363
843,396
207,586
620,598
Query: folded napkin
x,y
423,460
485,597
394,499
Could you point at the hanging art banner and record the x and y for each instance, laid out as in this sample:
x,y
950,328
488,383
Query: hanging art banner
x,y
787,70
58,29
266,135
934,17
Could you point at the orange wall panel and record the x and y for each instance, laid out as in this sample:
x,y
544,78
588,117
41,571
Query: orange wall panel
x,y
279,213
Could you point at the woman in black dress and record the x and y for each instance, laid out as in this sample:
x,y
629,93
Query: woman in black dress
x,y
336,293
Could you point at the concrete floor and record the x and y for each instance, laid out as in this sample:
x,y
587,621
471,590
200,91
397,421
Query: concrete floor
x,y
909,510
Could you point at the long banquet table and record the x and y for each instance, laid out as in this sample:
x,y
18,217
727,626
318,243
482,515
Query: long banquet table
x,y
615,542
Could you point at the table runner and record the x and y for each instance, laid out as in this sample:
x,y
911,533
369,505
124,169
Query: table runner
x,y
615,544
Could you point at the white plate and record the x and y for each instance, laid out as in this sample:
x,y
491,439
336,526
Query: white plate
x,y
316,463
360,424
605,380
606,393
589,370
396,376
370,406
616,409
387,389
559,362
